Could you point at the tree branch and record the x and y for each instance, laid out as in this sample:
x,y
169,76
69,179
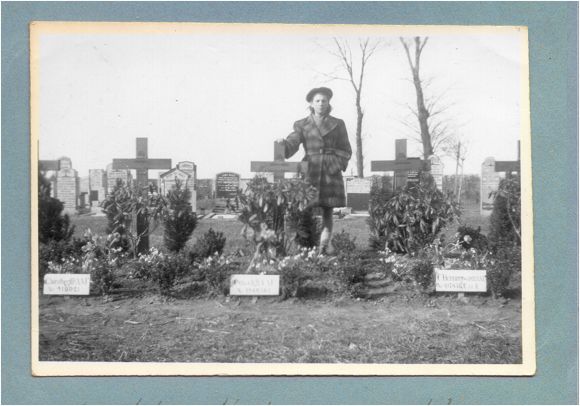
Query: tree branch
x,y
406,47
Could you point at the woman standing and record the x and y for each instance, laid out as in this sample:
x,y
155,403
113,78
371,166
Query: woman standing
x,y
327,150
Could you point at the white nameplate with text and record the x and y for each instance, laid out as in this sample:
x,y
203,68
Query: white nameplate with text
x,y
66,284
460,280
254,285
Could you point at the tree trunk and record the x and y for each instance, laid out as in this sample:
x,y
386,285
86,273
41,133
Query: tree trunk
x,y
344,55
422,111
460,184
359,150
456,180
422,116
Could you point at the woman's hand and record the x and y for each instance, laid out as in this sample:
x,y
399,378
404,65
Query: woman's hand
x,y
280,140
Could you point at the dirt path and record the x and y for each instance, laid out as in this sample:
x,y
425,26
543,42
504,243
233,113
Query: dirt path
x,y
442,330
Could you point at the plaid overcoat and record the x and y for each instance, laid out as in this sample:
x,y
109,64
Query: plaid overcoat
x,y
327,152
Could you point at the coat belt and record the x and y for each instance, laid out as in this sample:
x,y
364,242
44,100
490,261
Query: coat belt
x,y
322,151
333,151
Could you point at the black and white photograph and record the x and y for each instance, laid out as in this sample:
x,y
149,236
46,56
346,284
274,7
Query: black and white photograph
x,y
279,199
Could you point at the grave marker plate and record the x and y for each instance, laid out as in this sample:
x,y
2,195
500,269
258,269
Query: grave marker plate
x,y
226,185
254,285
66,284
413,177
460,280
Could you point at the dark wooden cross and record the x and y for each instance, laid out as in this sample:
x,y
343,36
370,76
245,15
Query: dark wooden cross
x,y
278,166
509,166
406,169
142,164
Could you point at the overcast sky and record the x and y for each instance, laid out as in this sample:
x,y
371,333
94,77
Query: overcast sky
x,y
220,97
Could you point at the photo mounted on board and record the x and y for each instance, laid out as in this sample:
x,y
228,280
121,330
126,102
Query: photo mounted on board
x,y
262,199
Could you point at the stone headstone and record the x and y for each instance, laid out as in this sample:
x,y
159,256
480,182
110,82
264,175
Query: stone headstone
x,y
190,168
97,185
489,183
205,189
183,173
67,186
227,185
65,163
460,280
491,178
167,180
66,284
83,197
358,192
254,285
437,170
84,184
114,174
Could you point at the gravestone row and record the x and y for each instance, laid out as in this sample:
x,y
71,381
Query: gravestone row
x,y
76,192
68,188
64,183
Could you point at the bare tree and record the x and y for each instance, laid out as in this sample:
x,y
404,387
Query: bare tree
x,y
355,72
433,130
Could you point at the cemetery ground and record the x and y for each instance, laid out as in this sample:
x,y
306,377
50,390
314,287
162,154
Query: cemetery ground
x,y
395,329
138,324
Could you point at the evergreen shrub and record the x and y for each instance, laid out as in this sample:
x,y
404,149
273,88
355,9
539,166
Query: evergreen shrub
x,y
381,193
210,243
412,218
505,263
179,220
52,224
126,202
267,206
505,219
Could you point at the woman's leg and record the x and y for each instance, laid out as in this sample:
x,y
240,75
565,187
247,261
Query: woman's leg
x,y
326,234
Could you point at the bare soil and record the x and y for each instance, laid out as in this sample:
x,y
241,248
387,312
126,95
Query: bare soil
x,y
395,329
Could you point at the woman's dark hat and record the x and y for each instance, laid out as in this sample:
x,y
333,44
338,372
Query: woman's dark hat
x,y
319,90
